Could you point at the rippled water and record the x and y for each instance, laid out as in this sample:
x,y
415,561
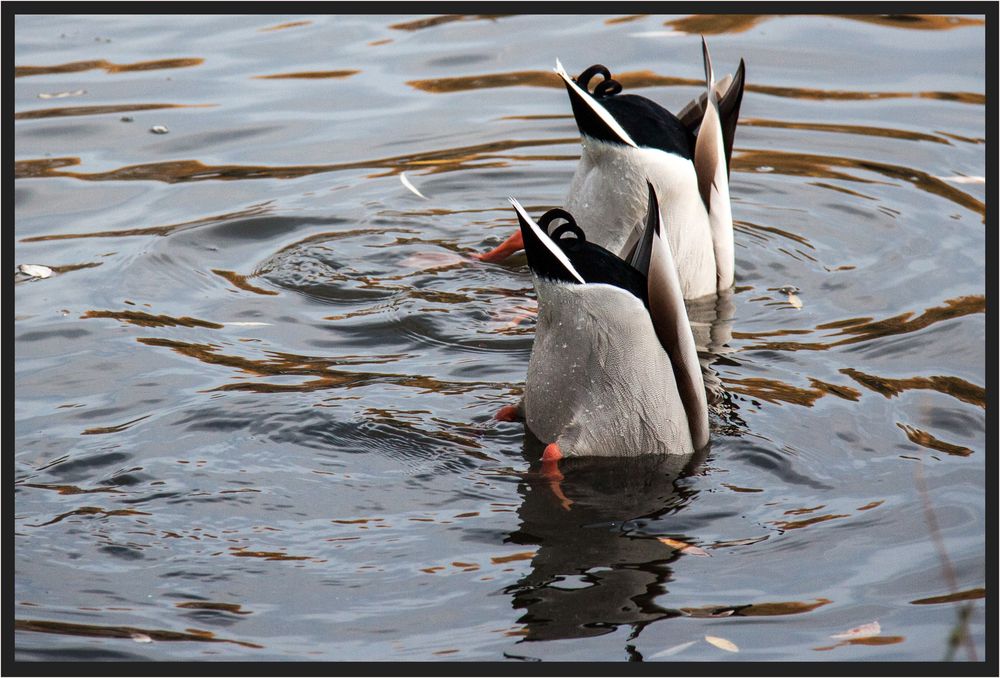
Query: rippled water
x,y
254,399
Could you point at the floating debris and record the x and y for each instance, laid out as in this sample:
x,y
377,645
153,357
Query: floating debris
x,y
33,272
141,638
61,95
411,187
127,118
159,129
722,643
683,547
863,631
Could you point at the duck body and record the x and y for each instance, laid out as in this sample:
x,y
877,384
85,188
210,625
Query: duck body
x,y
628,140
613,370
583,376
608,198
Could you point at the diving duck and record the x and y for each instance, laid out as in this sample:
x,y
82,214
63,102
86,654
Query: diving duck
x,y
628,139
613,368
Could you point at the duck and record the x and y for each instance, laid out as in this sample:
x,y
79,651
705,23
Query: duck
x,y
614,370
627,139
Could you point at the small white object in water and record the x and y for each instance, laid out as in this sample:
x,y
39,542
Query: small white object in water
x,y
863,631
411,187
62,95
34,270
159,129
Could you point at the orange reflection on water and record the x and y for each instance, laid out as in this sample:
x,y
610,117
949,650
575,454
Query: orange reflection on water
x,y
443,19
774,391
281,27
78,66
715,24
925,439
953,386
822,166
971,594
867,329
241,282
142,319
70,111
128,632
321,369
179,171
309,75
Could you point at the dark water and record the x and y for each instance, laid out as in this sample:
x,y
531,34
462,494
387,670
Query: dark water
x,y
254,400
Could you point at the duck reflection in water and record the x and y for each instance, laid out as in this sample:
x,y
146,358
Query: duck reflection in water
x,y
593,569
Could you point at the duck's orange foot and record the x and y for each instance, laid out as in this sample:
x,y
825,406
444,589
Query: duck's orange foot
x,y
508,247
508,413
550,471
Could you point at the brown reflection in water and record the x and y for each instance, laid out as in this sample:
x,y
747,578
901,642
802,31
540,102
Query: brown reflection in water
x,y
69,111
142,319
179,171
443,19
774,391
70,489
624,19
254,210
240,552
286,364
867,640
923,22
798,524
102,430
867,329
94,631
757,609
862,130
309,75
549,79
971,594
76,267
91,511
281,27
953,386
801,164
715,24
646,78
78,66
925,439
240,281
223,607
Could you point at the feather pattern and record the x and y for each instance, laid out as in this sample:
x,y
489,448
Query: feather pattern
x,y
613,369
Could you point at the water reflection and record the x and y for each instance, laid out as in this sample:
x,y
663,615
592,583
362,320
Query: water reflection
x,y
78,66
590,573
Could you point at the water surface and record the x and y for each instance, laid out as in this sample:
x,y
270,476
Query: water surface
x,y
254,400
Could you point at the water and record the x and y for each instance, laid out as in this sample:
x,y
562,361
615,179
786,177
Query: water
x,y
254,400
